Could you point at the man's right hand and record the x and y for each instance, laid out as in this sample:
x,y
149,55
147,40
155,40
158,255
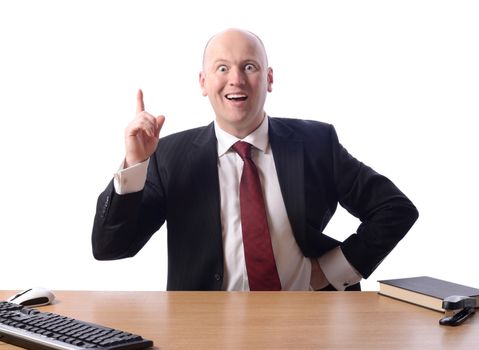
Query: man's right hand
x,y
142,134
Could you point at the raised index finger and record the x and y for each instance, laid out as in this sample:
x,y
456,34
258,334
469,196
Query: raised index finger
x,y
140,106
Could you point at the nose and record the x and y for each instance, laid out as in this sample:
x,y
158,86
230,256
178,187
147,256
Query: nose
x,y
236,77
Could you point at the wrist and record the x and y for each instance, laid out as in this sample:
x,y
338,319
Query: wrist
x,y
129,162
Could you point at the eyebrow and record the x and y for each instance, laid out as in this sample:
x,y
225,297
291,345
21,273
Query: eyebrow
x,y
246,61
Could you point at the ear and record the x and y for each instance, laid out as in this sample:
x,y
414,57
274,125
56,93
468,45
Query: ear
x,y
270,79
202,79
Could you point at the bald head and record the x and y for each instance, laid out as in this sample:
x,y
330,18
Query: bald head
x,y
230,36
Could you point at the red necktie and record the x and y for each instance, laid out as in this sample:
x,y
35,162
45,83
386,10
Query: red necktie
x,y
260,264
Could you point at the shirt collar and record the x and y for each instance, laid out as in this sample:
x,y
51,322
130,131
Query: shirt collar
x,y
258,138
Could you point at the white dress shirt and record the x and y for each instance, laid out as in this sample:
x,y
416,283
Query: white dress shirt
x,y
293,268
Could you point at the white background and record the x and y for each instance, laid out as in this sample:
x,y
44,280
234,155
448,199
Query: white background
x,y
398,79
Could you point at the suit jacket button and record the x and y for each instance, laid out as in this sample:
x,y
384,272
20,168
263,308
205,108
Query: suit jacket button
x,y
217,276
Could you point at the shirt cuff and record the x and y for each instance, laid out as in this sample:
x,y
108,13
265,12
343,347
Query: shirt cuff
x,y
338,270
131,179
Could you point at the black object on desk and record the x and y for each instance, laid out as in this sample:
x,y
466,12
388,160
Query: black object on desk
x,y
32,329
458,309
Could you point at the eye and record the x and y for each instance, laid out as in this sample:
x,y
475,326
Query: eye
x,y
250,67
222,68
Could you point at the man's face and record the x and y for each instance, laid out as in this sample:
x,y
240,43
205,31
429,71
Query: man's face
x,y
236,78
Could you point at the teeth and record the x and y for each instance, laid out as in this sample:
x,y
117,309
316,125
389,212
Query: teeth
x,y
236,96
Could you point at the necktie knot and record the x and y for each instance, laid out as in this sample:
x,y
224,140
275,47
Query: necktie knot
x,y
243,149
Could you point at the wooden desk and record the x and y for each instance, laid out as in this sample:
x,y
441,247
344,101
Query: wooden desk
x,y
263,320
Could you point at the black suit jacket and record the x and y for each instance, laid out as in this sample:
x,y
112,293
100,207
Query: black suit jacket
x,y
315,174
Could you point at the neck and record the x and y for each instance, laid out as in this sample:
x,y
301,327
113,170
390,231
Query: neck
x,y
241,131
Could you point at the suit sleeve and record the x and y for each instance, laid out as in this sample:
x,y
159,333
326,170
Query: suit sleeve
x,y
124,223
386,214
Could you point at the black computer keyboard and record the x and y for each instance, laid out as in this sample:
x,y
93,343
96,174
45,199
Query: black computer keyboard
x,y
32,329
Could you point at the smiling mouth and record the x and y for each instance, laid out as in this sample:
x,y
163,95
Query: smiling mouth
x,y
236,97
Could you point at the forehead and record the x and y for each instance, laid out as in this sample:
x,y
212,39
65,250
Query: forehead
x,y
234,46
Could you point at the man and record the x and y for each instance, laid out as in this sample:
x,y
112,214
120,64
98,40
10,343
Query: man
x,y
193,180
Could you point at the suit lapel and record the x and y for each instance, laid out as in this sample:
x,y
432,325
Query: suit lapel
x,y
204,157
289,161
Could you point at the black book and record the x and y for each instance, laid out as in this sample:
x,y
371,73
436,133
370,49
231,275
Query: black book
x,y
425,291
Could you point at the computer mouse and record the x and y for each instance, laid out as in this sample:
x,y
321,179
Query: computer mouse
x,y
36,296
